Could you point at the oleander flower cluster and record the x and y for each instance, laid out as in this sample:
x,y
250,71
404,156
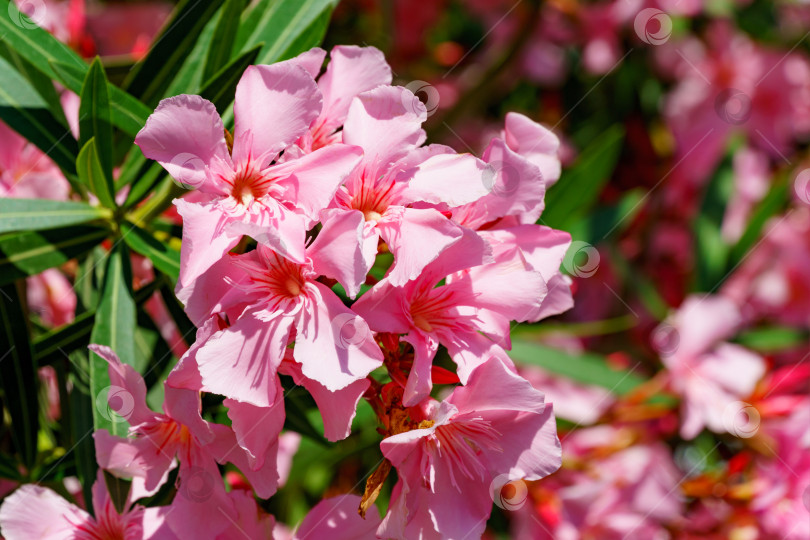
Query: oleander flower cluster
x,y
327,243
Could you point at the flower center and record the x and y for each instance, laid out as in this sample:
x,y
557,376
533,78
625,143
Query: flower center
x,y
249,184
460,446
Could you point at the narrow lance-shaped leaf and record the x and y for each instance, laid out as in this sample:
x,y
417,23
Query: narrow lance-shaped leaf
x,y
127,113
221,89
150,79
25,112
280,25
95,123
91,173
219,53
579,187
165,258
18,373
38,214
28,253
114,327
41,82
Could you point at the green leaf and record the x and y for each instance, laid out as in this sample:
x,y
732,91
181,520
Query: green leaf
x,y
82,408
165,259
712,251
114,327
91,173
127,113
38,214
41,82
151,77
774,202
25,112
773,339
608,221
221,48
18,374
587,368
145,183
221,89
55,343
580,186
34,44
95,121
281,23
27,253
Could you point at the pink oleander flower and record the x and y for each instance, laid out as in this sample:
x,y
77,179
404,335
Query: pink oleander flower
x,y
351,71
337,407
772,283
752,177
730,84
27,173
34,511
607,491
268,296
782,484
246,520
247,190
699,360
335,518
159,440
386,195
495,428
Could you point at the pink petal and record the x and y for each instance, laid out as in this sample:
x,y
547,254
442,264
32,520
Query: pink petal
x,y
204,241
536,143
185,407
325,354
257,428
37,512
351,71
311,61
274,106
127,396
344,249
263,480
128,458
455,179
515,186
419,381
336,518
337,408
507,289
311,181
382,307
416,237
201,508
185,135
386,122
240,362
282,230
